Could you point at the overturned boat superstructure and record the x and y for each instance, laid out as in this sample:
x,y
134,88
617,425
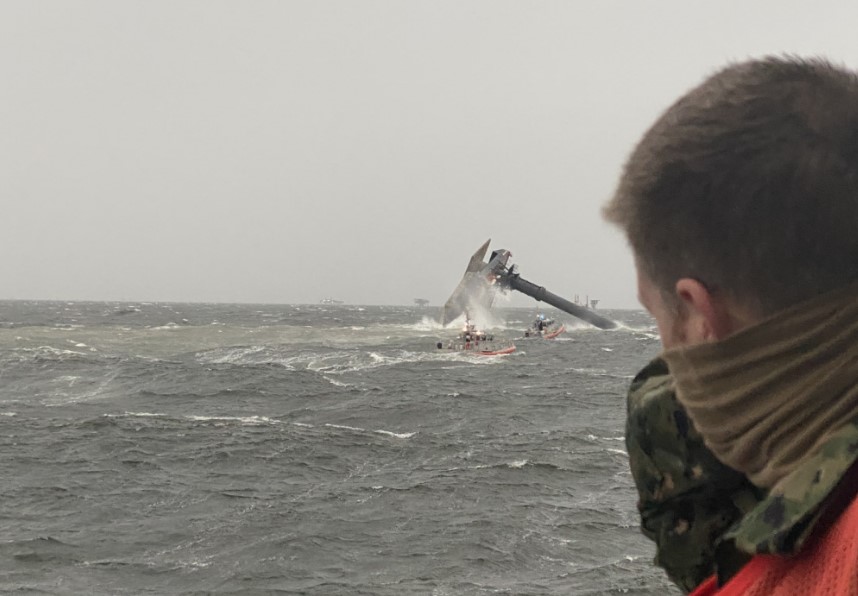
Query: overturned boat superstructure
x,y
477,289
482,280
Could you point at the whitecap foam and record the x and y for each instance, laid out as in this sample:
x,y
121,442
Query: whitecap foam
x,y
397,435
343,427
334,382
248,355
346,362
598,372
244,420
592,437
380,432
196,564
425,324
624,327
44,352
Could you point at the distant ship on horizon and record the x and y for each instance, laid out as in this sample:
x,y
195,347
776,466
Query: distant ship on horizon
x,y
330,301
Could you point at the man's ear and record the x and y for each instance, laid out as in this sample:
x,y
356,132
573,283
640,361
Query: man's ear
x,y
706,316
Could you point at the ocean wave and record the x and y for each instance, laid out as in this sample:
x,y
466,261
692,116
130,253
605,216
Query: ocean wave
x,y
426,324
79,344
650,331
335,362
255,420
171,326
596,372
600,372
336,383
41,550
412,454
243,420
338,357
45,353
340,363
515,464
593,437
253,356
396,435
380,432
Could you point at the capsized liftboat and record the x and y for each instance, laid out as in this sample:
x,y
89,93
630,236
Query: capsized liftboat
x,y
472,341
482,280
477,289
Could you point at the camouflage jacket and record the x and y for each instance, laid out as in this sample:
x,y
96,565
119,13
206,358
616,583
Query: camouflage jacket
x,y
705,517
688,499
812,495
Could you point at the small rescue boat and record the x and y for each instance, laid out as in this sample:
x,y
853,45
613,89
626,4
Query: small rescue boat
x,y
472,341
544,328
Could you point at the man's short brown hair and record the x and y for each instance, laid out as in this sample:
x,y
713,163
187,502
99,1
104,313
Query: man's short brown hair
x,y
749,184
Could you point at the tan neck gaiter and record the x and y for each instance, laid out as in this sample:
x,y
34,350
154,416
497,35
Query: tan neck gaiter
x,y
768,396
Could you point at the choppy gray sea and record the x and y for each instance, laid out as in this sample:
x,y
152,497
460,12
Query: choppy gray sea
x,y
155,448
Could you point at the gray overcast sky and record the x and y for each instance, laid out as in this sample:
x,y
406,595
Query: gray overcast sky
x,y
276,151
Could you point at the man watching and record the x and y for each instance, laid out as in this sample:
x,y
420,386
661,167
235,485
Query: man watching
x,y
741,207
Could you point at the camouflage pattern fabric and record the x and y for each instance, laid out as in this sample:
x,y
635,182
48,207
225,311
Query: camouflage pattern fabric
x,y
817,490
688,499
705,517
